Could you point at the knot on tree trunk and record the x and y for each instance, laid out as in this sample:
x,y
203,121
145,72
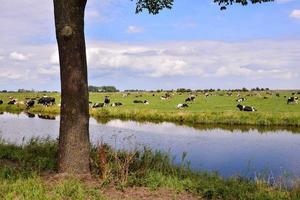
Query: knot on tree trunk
x,y
67,32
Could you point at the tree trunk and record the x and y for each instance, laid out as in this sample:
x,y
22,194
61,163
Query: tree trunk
x,y
74,143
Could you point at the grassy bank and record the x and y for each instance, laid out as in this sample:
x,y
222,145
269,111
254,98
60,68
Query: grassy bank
x,y
26,172
215,109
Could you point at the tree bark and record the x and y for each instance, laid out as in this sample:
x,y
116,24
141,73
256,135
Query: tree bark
x,y
74,142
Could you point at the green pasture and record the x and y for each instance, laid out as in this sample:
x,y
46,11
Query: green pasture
x,y
217,108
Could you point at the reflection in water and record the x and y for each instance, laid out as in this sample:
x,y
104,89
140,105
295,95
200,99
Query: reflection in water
x,y
207,127
247,153
30,115
50,117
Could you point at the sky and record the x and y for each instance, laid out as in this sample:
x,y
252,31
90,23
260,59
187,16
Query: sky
x,y
193,45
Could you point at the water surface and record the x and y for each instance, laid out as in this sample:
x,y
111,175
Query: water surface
x,y
234,152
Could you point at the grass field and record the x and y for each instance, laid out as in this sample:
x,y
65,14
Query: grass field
x,y
215,109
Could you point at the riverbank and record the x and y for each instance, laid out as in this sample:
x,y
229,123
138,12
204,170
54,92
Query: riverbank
x,y
28,172
283,119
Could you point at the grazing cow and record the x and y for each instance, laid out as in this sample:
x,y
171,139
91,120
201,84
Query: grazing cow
x,y
241,99
116,104
207,94
182,105
12,102
138,101
298,92
146,102
153,95
246,108
265,97
46,101
106,100
1,102
188,99
30,103
166,96
97,105
292,100
277,95
46,117
191,98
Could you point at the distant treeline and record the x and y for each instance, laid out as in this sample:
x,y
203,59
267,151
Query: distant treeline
x,y
114,89
103,89
27,91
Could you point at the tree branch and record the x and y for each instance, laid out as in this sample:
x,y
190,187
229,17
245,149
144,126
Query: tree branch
x,y
155,6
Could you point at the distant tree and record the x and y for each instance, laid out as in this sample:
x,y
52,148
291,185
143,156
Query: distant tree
x,y
74,142
102,89
244,89
183,90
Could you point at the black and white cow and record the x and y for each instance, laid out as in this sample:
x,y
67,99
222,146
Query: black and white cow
x,y
106,100
191,98
241,99
207,94
12,102
246,108
46,101
97,105
116,104
292,100
182,105
30,103
146,102
1,102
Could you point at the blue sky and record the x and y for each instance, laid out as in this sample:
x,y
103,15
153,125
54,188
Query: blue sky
x,y
194,45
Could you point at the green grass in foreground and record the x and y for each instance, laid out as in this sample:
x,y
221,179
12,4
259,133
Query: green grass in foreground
x,y
22,169
216,109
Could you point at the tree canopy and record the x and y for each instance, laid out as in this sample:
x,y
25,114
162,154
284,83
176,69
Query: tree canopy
x,y
155,6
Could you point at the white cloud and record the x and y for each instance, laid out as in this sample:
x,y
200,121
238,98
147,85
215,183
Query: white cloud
x,y
53,70
54,59
18,56
204,60
134,29
295,14
255,59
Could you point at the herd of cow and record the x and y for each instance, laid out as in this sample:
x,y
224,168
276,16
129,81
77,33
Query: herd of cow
x,y
48,101
29,102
